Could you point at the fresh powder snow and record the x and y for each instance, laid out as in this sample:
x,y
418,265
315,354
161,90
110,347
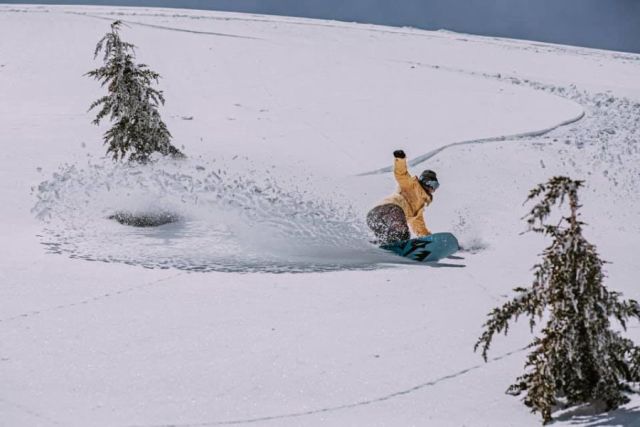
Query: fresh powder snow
x,y
266,303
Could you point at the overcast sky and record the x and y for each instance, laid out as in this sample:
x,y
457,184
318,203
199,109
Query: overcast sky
x,y
608,24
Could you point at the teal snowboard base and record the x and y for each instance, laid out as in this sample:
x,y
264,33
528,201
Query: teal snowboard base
x,y
425,249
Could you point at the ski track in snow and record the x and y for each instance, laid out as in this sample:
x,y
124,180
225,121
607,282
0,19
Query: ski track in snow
x,y
531,134
163,27
341,407
31,412
89,300
499,138
608,127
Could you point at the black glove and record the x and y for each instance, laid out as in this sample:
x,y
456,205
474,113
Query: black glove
x,y
399,154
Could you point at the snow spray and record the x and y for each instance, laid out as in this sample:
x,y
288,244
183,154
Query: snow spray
x,y
229,216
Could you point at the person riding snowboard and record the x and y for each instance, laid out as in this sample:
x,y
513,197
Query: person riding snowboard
x,y
391,219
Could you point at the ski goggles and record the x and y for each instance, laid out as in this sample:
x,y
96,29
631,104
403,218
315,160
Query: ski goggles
x,y
432,184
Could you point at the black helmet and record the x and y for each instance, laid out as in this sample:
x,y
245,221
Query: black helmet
x,y
429,179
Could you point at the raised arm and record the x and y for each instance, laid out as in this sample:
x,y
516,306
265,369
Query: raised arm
x,y
400,170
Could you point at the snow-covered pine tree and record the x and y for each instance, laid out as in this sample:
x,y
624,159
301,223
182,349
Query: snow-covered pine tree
x,y
578,358
131,103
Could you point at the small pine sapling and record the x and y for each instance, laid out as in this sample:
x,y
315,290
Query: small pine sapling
x,y
131,103
577,358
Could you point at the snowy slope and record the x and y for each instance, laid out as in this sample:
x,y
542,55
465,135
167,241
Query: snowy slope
x,y
307,112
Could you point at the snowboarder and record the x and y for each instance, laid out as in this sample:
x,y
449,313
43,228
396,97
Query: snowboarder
x,y
392,218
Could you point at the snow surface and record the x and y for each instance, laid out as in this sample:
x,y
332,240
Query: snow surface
x,y
188,324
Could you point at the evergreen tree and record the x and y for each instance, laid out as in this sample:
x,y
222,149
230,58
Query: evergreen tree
x,y
578,358
131,103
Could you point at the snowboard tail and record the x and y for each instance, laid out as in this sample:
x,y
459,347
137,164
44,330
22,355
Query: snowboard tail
x,y
425,249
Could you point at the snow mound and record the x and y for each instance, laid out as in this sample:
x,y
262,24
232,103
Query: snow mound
x,y
233,217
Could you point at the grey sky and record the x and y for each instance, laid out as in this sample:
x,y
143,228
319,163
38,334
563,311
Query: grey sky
x,y
608,24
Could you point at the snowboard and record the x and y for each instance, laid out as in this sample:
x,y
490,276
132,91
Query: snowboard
x,y
425,249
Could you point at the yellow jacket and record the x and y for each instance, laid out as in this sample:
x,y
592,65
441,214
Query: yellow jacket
x,y
411,197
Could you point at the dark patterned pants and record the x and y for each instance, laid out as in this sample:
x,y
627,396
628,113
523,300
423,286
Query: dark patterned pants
x,y
388,223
